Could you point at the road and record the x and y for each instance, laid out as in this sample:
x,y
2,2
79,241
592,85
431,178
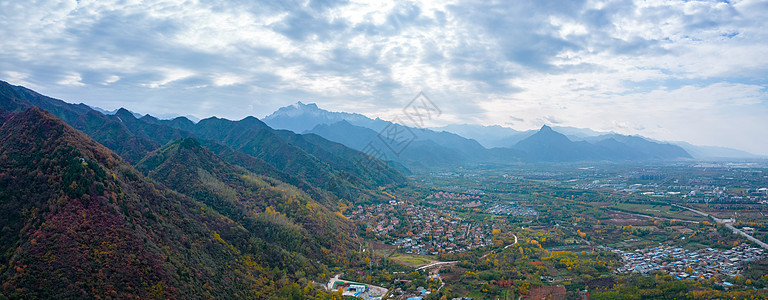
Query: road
x,y
728,225
510,245
718,220
653,217
437,263
333,279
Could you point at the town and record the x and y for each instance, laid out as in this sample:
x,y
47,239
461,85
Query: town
x,y
511,210
685,264
422,230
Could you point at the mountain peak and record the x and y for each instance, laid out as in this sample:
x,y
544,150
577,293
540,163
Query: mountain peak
x,y
545,128
190,143
124,113
301,105
300,117
42,125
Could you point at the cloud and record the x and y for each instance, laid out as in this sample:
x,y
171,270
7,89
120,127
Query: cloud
x,y
636,66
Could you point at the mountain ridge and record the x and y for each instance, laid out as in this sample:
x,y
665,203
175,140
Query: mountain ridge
x,y
426,147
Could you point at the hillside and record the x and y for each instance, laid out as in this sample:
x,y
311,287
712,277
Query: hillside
x,y
109,130
294,221
80,223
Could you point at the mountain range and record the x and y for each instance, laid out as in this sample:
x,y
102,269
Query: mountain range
x,y
439,147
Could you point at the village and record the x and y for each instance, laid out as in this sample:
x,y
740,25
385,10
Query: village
x,y
685,264
422,230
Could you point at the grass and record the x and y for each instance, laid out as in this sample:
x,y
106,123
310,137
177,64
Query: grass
x,y
411,259
383,252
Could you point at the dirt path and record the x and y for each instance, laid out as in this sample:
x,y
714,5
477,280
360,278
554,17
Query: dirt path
x,y
505,247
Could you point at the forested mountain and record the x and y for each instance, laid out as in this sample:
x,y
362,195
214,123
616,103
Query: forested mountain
x,y
294,221
343,172
78,222
347,174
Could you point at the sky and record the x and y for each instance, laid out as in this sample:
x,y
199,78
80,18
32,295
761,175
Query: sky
x,y
695,71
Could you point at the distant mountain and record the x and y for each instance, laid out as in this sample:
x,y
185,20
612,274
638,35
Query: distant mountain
x,y
488,136
301,117
78,222
714,152
498,136
549,145
647,149
355,137
419,153
166,116
425,148
114,111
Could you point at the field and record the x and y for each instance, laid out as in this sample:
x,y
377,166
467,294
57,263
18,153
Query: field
x,y
412,260
382,249
390,252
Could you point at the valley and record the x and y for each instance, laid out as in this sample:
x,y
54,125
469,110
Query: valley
x,y
585,237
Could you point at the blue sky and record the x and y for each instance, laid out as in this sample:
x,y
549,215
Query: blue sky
x,y
673,70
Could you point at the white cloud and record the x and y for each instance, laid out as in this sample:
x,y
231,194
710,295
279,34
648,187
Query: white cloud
x,y
227,79
72,79
636,66
168,76
112,79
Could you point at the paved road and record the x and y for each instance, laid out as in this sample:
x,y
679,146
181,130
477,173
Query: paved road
x,y
728,225
654,217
